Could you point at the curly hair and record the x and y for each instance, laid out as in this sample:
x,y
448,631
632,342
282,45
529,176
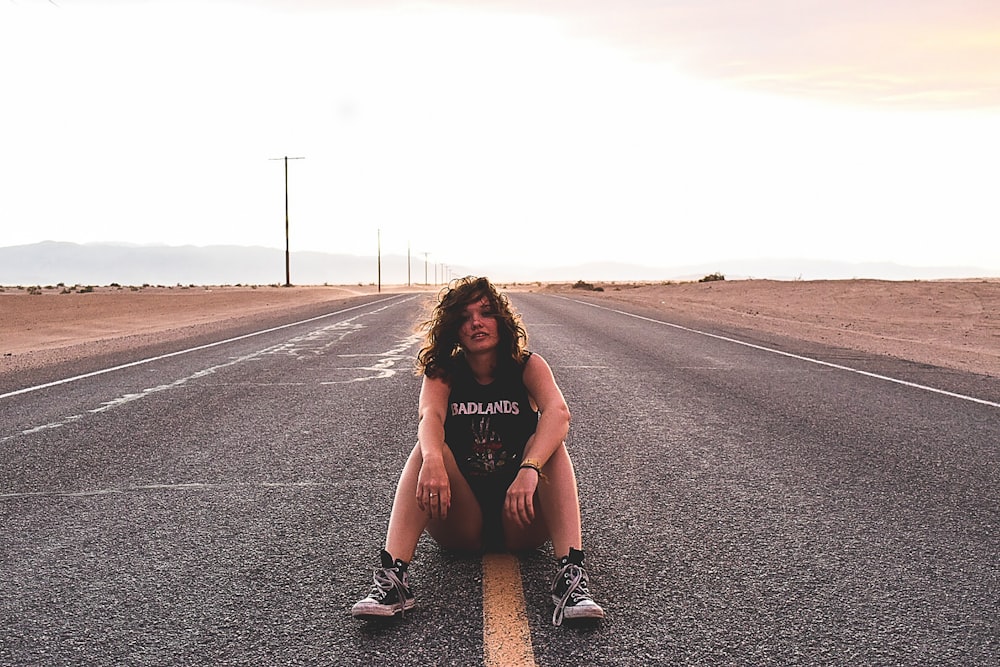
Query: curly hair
x,y
439,356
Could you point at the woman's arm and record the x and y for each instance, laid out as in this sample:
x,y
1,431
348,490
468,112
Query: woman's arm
x,y
433,488
553,425
554,417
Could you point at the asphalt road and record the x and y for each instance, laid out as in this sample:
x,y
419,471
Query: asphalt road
x,y
741,506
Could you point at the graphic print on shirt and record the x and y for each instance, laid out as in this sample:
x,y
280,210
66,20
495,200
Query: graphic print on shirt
x,y
488,453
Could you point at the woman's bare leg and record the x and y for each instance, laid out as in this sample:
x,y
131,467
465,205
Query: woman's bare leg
x,y
521,538
463,527
557,510
406,521
462,530
560,502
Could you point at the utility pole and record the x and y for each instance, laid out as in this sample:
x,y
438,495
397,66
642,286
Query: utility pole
x,y
379,240
288,272
425,269
408,264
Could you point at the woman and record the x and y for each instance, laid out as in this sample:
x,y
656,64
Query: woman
x,y
490,469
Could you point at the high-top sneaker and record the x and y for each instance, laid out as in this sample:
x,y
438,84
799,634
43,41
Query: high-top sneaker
x,y
390,593
569,591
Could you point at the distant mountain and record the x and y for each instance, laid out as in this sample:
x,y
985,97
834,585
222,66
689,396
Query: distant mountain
x,y
50,263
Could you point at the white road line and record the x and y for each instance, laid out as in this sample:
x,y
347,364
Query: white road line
x,y
135,396
186,486
794,356
103,371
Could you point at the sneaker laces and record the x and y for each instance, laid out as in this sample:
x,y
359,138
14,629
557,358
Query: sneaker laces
x,y
576,590
385,581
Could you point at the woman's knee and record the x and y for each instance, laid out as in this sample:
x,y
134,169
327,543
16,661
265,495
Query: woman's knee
x,y
560,458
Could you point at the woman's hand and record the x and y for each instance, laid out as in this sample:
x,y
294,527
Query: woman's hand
x,y
433,486
434,489
519,504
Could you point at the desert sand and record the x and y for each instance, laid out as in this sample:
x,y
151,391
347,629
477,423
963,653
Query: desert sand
x,y
41,327
953,324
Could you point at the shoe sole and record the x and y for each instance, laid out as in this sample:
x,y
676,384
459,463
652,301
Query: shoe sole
x,y
581,612
376,610
593,613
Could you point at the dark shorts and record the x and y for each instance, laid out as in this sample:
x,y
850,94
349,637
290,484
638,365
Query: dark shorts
x,y
491,492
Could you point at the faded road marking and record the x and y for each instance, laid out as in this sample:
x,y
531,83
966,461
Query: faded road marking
x,y
135,396
56,383
383,368
340,329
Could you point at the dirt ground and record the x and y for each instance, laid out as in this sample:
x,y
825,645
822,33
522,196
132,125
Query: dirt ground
x,y
954,324
51,325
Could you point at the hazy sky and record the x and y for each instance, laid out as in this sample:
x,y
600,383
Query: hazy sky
x,y
653,131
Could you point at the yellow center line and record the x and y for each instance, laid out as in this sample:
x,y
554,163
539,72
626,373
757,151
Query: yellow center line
x,y
506,637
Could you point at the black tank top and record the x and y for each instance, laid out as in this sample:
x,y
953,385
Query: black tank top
x,y
488,426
